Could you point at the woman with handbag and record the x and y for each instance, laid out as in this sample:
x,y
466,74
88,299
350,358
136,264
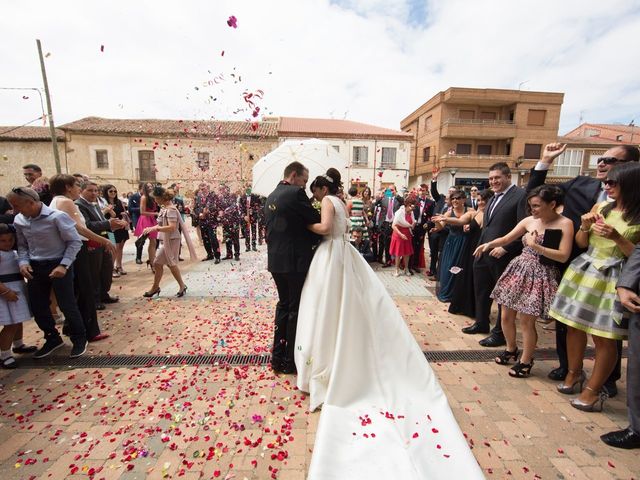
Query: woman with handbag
x,y
529,283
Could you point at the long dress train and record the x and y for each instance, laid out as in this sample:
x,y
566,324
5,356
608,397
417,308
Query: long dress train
x,y
383,414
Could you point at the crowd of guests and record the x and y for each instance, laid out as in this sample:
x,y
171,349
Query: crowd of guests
x,y
61,246
541,253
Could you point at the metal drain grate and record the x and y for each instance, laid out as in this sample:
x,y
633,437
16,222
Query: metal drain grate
x,y
147,361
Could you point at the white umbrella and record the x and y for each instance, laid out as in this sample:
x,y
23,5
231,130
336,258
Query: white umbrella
x,y
316,155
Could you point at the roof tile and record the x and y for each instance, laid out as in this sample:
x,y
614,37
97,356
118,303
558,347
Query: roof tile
x,y
28,133
320,127
179,128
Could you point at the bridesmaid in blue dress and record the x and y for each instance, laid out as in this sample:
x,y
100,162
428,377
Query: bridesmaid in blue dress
x,y
453,247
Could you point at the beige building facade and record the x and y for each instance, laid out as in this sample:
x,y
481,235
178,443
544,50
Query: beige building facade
x,y
20,146
462,131
126,152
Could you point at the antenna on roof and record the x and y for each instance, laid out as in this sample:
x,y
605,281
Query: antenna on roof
x,y
581,117
631,124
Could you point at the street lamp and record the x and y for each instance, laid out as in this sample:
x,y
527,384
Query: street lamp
x,y
453,172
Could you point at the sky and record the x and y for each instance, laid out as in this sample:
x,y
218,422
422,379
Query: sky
x,y
372,61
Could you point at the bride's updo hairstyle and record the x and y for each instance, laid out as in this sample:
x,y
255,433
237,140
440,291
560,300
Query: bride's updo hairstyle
x,y
331,180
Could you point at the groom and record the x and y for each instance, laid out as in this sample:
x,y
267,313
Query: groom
x,y
288,211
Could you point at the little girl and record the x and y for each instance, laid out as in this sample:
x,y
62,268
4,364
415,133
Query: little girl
x,y
14,308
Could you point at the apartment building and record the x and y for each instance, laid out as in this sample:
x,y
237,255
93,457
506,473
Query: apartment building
x,y
462,131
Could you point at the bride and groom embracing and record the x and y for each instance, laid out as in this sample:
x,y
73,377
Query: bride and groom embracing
x,y
384,414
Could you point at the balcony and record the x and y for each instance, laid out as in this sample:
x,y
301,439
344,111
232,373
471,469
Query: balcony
x,y
474,162
478,128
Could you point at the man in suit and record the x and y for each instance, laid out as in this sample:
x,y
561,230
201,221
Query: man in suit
x,y
205,208
290,244
229,213
472,201
628,289
422,212
581,194
33,174
389,204
502,214
250,207
100,260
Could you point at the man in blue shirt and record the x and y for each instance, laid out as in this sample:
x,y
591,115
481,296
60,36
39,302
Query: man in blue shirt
x,y
48,243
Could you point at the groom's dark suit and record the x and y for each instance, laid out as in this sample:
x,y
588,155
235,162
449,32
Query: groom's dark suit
x,y
290,244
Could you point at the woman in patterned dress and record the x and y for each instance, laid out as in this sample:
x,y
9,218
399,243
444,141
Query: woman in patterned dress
x,y
357,214
527,286
586,301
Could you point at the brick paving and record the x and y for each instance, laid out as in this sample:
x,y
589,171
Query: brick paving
x,y
244,422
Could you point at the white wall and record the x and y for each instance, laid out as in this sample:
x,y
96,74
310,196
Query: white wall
x,y
399,175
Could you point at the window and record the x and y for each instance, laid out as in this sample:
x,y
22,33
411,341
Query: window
x,y
618,138
488,115
203,161
484,149
593,158
427,123
388,157
360,156
102,159
463,149
337,147
426,154
146,166
532,151
536,118
569,164
467,114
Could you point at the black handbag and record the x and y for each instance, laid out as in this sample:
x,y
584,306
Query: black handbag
x,y
552,238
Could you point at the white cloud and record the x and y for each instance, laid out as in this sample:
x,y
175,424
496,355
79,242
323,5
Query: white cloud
x,y
374,60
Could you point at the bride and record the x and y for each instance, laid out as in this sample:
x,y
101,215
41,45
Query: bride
x,y
384,414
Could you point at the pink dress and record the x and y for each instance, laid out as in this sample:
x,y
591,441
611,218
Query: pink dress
x,y
147,220
400,247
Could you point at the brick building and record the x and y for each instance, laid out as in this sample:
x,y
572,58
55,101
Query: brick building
x,y
462,131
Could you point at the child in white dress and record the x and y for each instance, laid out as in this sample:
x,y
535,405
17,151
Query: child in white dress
x,y
14,308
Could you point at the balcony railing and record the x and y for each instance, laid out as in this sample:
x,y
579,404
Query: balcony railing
x,y
476,121
494,158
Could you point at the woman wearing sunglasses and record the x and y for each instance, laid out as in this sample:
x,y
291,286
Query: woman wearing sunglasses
x,y
116,210
586,300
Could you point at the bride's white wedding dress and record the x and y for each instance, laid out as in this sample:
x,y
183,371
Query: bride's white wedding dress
x,y
384,415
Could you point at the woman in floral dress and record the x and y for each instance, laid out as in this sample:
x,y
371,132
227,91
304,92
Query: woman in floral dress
x,y
528,284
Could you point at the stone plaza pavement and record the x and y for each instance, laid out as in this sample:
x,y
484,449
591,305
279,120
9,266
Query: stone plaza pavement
x,y
243,422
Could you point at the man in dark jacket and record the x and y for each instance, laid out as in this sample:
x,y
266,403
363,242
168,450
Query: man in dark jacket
x,y
363,246
250,207
581,194
100,260
422,212
290,244
628,290
502,214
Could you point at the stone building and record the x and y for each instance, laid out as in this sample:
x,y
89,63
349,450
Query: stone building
x,y
22,145
125,152
377,157
462,131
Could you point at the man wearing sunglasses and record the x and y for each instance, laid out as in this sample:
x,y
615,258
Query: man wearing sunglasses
x,y
581,194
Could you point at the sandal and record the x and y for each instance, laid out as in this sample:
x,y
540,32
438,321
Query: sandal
x,y
521,370
504,357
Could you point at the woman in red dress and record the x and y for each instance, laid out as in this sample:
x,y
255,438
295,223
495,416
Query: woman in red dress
x,y
401,244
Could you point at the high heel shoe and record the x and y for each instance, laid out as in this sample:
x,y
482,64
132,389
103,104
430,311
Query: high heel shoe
x,y
152,293
504,357
571,389
182,292
521,370
596,406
